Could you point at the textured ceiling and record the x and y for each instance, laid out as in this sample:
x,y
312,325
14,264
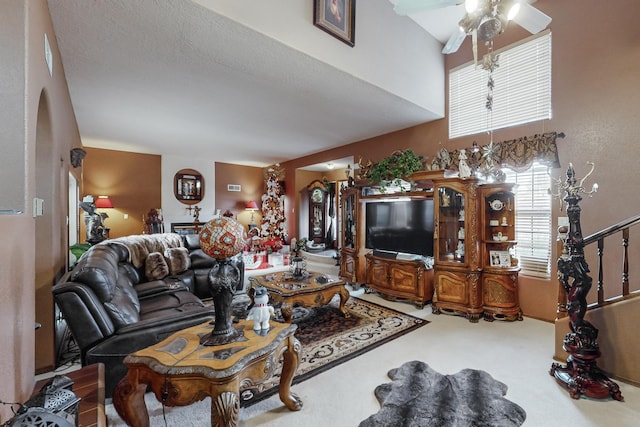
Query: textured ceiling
x,y
175,78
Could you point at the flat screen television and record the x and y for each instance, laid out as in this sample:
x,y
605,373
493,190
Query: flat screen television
x,y
404,226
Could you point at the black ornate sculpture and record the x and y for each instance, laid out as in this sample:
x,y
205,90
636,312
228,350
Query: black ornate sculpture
x,y
224,278
76,155
93,221
581,375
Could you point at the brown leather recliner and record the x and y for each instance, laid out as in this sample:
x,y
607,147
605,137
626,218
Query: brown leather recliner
x,y
112,312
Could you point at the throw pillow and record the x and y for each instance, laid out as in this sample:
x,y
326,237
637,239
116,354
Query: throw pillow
x,y
178,260
155,266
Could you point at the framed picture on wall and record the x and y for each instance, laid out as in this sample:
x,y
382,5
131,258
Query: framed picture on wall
x,y
336,17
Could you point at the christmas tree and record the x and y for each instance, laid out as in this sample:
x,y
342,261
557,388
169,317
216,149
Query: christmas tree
x,y
273,225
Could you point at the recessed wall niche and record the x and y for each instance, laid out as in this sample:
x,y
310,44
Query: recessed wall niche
x,y
188,186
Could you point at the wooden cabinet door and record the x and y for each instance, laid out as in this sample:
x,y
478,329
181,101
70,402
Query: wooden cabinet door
x,y
377,273
403,279
500,296
348,266
451,287
499,291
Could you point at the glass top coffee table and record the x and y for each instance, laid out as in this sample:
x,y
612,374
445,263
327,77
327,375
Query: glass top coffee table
x,y
311,290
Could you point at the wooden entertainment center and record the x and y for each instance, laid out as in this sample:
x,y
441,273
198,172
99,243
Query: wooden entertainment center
x,y
474,271
399,279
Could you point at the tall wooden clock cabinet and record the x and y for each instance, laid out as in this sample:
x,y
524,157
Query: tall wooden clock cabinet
x,y
317,211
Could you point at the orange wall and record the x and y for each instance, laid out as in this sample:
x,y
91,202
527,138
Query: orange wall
x,y
251,181
596,99
133,182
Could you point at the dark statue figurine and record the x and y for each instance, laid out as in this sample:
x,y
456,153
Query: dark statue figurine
x,y
581,375
93,221
224,279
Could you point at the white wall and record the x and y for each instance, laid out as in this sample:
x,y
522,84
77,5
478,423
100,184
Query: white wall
x,y
391,51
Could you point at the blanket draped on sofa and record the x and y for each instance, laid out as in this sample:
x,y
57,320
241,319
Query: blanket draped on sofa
x,y
140,246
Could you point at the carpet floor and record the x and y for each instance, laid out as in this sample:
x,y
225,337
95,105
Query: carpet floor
x,y
328,339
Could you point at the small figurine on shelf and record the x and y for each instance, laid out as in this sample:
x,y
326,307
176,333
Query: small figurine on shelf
x,y
446,199
461,233
460,250
463,166
260,312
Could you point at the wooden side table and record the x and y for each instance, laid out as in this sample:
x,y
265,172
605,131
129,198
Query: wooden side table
x,y
313,290
179,371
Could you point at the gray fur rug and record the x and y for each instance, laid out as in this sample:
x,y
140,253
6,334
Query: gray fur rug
x,y
418,396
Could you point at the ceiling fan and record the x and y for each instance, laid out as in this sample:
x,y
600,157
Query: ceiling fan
x,y
483,19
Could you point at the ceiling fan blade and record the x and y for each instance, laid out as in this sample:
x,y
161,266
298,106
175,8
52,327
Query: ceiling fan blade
x,y
531,19
454,42
407,7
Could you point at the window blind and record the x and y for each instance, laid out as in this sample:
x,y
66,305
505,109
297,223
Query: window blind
x,y
533,220
522,91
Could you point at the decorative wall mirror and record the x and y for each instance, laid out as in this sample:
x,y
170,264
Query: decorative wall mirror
x,y
188,186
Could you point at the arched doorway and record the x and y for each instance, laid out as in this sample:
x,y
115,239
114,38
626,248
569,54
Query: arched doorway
x,y
47,236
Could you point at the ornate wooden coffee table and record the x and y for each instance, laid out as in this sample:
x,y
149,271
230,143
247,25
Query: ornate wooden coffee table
x,y
180,371
312,290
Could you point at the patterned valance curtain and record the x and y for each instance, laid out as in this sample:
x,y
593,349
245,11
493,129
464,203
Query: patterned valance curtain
x,y
517,154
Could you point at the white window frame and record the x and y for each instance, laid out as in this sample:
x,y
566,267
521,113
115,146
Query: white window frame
x,y
521,94
533,219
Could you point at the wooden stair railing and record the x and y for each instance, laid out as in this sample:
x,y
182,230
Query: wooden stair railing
x,y
598,238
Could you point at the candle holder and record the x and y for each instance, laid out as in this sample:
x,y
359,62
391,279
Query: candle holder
x,y
298,267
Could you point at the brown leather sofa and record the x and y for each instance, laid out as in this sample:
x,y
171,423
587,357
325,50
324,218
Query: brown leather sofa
x,y
112,309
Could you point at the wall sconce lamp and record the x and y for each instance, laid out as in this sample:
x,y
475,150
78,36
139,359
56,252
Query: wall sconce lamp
x,y
253,207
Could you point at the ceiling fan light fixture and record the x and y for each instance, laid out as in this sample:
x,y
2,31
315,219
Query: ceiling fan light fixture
x,y
490,27
470,22
454,42
513,11
470,5
531,19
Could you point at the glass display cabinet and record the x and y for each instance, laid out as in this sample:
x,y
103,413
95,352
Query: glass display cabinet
x,y
499,264
349,239
456,260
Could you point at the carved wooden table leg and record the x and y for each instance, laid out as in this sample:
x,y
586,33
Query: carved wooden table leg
x,y
291,358
128,399
344,297
287,311
225,410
